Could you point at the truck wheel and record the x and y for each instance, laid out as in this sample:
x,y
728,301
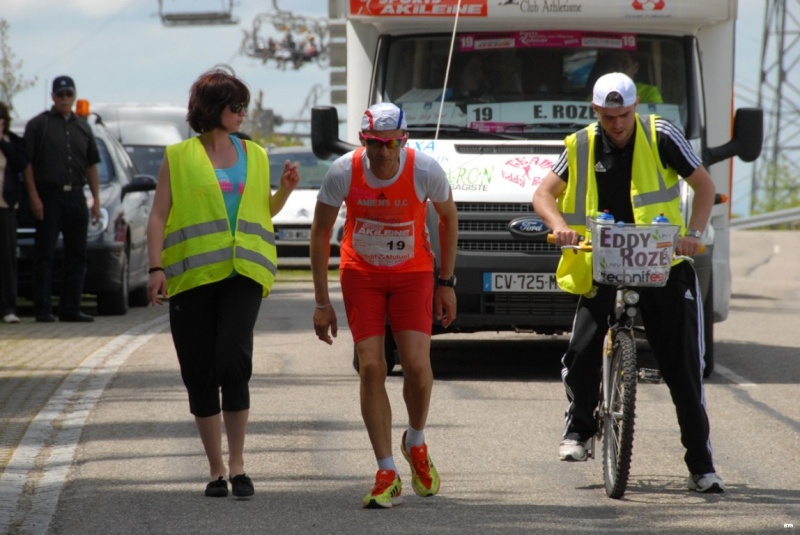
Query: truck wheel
x,y
389,349
708,327
116,303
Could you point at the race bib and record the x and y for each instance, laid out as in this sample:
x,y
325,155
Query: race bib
x,y
383,244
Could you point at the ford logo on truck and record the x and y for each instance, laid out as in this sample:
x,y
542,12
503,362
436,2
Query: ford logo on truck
x,y
526,227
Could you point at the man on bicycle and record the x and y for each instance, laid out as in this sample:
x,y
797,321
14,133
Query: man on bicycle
x,y
630,166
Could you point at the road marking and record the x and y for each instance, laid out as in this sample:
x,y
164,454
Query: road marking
x,y
32,481
733,376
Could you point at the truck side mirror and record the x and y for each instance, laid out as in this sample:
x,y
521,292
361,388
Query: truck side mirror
x,y
325,140
748,138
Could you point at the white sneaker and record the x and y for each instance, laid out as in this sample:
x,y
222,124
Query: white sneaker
x,y
709,483
11,318
572,450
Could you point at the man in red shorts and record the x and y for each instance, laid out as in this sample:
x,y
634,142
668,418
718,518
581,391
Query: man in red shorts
x,y
387,273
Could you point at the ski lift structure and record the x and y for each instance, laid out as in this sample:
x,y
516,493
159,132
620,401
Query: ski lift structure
x,y
264,120
299,40
196,13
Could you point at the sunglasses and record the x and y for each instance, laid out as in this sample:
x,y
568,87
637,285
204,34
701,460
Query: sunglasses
x,y
66,93
389,143
238,108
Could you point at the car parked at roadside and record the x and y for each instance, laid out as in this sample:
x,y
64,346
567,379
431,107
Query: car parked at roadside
x,y
293,223
116,251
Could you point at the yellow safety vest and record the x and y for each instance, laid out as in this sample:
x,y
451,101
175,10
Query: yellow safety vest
x,y
654,190
199,247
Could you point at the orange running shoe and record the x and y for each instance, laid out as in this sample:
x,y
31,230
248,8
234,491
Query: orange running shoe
x,y
386,492
424,476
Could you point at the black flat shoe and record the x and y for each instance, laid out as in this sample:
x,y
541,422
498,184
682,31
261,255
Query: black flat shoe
x,y
45,318
217,489
242,486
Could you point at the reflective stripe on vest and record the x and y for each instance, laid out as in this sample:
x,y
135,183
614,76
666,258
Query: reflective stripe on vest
x,y
197,261
256,229
578,216
195,231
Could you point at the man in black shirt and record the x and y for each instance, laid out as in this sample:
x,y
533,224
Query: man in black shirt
x,y
64,155
630,166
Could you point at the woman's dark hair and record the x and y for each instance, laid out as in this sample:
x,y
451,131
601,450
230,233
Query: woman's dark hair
x,y
210,94
4,114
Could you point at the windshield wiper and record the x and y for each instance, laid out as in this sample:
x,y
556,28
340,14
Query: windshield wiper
x,y
570,126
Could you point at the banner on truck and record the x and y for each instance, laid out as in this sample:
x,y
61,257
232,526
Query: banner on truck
x,y
705,11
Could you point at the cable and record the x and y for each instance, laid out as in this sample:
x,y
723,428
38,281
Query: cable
x,y
447,70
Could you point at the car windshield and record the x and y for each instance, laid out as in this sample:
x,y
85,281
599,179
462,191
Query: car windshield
x,y
146,158
312,169
527,83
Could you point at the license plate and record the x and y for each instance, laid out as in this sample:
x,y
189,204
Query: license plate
x,y
294,234
520,282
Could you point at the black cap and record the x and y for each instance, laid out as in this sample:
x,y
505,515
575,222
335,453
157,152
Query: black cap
x,y
63,82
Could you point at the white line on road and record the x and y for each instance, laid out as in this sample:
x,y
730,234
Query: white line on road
x,y
32,481
733,377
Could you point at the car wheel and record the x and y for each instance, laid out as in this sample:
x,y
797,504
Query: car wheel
x,y
116,303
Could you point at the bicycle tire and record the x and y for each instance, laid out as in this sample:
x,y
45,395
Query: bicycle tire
x,y
618,419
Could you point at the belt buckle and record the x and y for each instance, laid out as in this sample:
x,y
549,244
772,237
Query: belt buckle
x,y
68,187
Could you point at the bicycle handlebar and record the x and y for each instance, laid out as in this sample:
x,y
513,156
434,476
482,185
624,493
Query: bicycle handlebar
x,y
586,247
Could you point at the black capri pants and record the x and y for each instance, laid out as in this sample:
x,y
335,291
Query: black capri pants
x,y
212,329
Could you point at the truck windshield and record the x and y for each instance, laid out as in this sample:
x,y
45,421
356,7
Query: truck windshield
x,y
527,83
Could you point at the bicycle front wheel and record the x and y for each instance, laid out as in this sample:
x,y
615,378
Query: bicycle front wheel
x,y
618,415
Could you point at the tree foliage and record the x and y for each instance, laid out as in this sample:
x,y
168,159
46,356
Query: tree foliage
x,y
11,79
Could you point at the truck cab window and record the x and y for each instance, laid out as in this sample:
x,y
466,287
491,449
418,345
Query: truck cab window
x,y
506,83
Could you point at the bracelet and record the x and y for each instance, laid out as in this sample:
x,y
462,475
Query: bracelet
x,y
154,269
322,307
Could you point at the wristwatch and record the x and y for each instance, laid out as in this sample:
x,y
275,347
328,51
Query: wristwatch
x,y
451,282
693,233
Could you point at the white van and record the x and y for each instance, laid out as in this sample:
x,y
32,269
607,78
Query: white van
x,y
145,130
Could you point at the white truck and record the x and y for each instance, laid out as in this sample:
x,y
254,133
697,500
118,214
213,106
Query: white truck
x,y
490,88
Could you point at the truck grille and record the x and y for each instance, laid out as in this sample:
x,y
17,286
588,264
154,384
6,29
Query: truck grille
x,y
518,208
529,304
483,227
506,247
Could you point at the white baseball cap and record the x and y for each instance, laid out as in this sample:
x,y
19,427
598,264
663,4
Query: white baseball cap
x,y
384,116
614,90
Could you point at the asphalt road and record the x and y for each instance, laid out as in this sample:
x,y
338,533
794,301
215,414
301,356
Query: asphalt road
x,y
96,436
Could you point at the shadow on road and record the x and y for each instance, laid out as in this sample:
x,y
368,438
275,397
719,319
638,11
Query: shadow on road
x,y
467,359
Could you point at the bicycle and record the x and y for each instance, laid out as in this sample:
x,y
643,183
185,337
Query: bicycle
x,y
627,256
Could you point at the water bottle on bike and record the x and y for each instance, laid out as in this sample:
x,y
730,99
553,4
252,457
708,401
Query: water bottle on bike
x,y
661,219
605,218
